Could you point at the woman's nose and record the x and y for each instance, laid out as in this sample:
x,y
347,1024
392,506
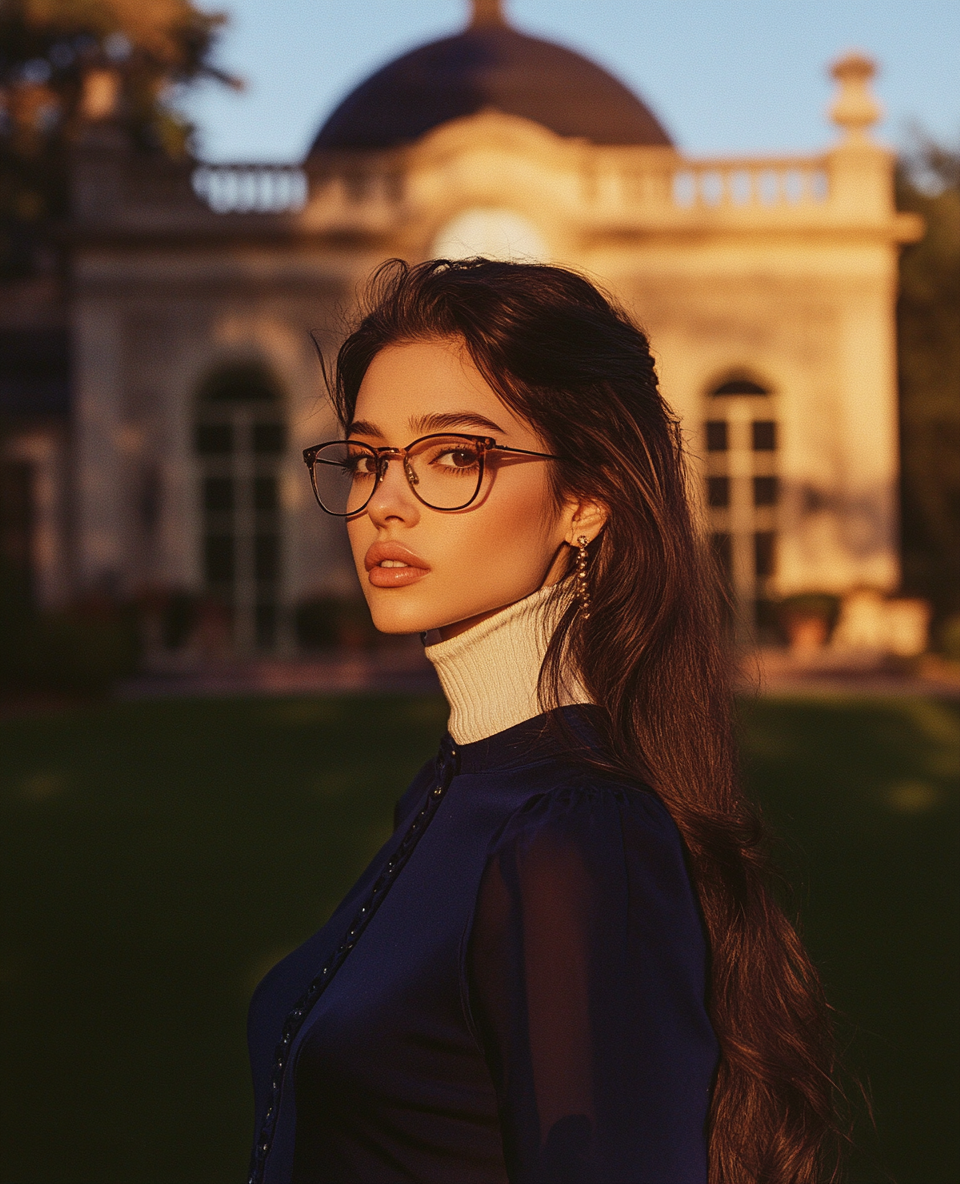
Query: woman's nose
x,y
393,499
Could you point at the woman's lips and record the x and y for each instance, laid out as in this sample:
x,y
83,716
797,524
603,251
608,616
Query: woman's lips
x,y
395,577
391,565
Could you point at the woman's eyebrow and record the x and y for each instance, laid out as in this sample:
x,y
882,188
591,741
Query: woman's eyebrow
x,y
363,427
454,419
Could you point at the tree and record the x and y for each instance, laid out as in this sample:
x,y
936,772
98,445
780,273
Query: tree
x,y
928,326
63,62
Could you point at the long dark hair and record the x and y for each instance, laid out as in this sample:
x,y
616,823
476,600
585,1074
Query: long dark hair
x,y
570,362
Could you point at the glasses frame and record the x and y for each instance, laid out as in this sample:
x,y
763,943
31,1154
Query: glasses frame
x,y
383,456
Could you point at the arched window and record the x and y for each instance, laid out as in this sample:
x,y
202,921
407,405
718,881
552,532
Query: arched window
x,y
740,438
240,439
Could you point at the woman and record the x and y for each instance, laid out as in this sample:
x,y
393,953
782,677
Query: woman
x,y
565,965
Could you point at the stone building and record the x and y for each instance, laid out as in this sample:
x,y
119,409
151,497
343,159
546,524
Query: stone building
x,y
767,286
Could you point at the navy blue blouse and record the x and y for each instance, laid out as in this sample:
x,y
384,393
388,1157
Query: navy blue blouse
x,y
514,990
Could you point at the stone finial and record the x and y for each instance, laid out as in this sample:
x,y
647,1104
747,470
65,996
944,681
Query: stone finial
x,y
855,109
486,13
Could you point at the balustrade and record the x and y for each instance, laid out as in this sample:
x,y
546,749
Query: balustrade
x,y
749,185
251,188
757,184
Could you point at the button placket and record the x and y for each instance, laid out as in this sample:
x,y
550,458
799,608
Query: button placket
x,y
446,767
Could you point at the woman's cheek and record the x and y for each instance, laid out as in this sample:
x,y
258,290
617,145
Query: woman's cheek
x,y
360,535
500,546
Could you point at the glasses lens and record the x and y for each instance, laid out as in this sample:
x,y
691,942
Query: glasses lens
x,y
344,475
445,471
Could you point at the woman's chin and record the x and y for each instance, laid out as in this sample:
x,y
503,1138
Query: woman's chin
x,y
402,610
394,618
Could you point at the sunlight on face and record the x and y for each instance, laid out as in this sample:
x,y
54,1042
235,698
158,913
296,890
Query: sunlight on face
x,y
423,569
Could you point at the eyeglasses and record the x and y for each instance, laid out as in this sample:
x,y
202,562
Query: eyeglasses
x,y
444,471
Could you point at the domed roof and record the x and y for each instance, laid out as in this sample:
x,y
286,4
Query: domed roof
x,y
489,65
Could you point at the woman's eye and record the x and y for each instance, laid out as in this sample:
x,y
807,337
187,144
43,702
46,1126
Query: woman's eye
x,y
456,458
360,466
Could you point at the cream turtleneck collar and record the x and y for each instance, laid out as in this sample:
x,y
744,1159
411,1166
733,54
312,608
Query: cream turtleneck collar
x,y
489,673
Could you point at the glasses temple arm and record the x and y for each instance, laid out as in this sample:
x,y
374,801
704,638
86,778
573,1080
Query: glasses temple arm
x,y
524,452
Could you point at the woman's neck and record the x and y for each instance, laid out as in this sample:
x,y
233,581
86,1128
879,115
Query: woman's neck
x,y
490,672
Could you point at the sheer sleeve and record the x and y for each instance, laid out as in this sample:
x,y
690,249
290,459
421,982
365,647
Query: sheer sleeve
x,y
585,976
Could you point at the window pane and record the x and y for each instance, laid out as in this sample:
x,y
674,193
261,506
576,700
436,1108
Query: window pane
x,y
214,439
763,542
268,438
266,556
218,558
218,493
718,491
240,382
764,435
717,435
764,491
265,493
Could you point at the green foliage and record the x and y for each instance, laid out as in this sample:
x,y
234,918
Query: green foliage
x,y
928,326
82,650
55,55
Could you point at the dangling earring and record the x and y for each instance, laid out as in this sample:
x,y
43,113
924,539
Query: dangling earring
x,y
583,591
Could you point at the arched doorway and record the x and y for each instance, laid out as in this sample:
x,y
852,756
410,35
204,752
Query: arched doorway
x,y
741,438
240,441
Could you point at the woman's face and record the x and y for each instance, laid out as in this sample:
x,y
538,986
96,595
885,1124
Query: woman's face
x,y
423,569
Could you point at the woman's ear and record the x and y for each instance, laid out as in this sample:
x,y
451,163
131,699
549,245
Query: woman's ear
x,y
584,518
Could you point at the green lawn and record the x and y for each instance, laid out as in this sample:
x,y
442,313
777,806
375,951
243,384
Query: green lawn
x,y
158,857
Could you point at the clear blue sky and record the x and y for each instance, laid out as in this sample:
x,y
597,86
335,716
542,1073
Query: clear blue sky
x,y
725,76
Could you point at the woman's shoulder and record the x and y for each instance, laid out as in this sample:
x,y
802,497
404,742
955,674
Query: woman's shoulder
x,y
598,845
584,806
